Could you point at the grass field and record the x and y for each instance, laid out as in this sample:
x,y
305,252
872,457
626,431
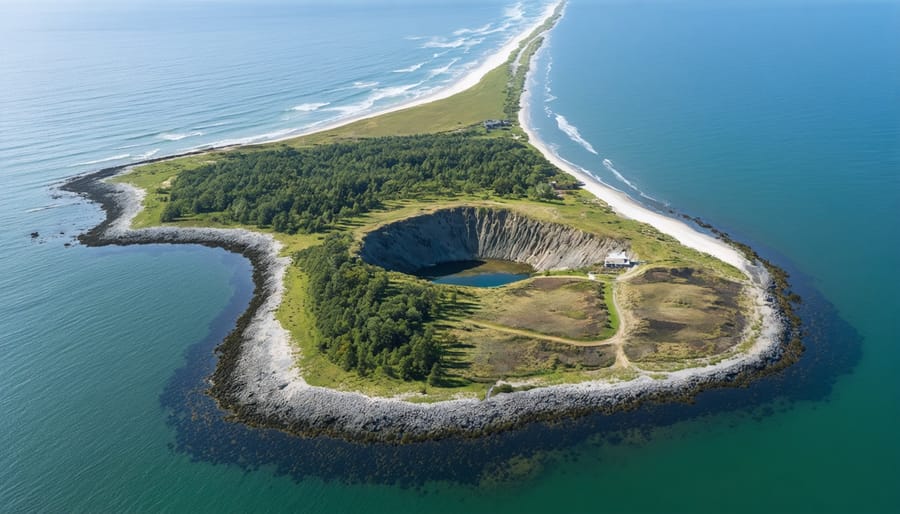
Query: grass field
x,y
684,314
567,307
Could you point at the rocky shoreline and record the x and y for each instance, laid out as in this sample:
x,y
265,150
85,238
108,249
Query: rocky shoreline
x,y
256,377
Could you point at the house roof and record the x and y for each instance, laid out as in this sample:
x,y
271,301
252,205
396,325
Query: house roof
x,y
616,256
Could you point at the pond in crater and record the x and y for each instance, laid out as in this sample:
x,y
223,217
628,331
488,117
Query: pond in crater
x,y
478,273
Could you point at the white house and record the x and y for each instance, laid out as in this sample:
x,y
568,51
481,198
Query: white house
x,y
617,260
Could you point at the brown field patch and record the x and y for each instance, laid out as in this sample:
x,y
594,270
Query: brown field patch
x,y
488,355
567,307
683,313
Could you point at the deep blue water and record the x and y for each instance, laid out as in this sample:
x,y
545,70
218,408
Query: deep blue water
x,y
778,122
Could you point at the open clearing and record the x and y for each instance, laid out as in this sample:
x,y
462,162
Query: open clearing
x,y
683,313
567,307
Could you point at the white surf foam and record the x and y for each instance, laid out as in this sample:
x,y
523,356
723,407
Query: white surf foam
x,y
548,89
146,155
270,136
374,97
483,30
44,208
105,159
443,69
439,42
126,147
572,131
178,136
309,107
410,69
514,12
479,30
472,43
608,164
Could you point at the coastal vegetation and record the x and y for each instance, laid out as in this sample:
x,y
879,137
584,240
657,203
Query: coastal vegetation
x,y
362,327
366,321
313,189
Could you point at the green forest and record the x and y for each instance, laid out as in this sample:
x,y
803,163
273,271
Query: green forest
x,y
366,321
308,190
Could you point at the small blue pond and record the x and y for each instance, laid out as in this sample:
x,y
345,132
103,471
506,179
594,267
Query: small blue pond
x,y
482,273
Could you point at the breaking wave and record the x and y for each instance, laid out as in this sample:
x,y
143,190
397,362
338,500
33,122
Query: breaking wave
x,y
438,42
374,96
106,159
514,12
410,69
483,30
44,208
572,131
309,107
178,136
146,155
443,69
608,164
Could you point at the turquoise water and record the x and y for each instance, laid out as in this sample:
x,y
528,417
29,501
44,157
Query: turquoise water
x,y
491,273
481,279
779,122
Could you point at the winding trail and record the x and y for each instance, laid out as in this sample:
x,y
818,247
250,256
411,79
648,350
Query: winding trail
x,y
539,335
618,339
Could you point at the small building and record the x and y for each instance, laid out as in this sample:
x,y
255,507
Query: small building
x,y
495,124
617,260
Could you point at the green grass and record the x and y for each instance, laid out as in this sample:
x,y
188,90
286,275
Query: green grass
x,y
317,370
611,310
471,107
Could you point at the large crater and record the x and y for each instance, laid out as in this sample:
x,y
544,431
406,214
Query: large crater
x,y
472,233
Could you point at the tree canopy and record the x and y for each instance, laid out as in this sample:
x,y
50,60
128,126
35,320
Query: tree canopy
x,y
365,320
310,189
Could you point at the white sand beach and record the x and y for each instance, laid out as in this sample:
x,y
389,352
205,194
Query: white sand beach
x,y
627,207
465,82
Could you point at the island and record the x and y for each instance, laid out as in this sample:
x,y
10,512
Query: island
x,y
436,270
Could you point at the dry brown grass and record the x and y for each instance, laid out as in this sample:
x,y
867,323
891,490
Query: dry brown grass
x,y
487,355
558,306
684,313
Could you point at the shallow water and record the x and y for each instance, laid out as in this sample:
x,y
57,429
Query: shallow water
x,y
487,273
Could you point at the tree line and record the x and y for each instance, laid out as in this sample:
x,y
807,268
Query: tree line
x,y
367,322
311,189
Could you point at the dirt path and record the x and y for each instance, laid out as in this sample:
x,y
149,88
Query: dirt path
x,y
538,335
624,324
617,339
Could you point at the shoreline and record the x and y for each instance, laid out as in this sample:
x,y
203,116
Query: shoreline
x,y
257,379
467,81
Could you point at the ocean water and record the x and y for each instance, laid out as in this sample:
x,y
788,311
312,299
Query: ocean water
x,y
778,122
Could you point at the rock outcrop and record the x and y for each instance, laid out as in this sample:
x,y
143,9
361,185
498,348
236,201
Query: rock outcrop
x,y
470,233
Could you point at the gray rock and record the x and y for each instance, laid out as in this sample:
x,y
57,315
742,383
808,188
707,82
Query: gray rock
x,y
469,233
